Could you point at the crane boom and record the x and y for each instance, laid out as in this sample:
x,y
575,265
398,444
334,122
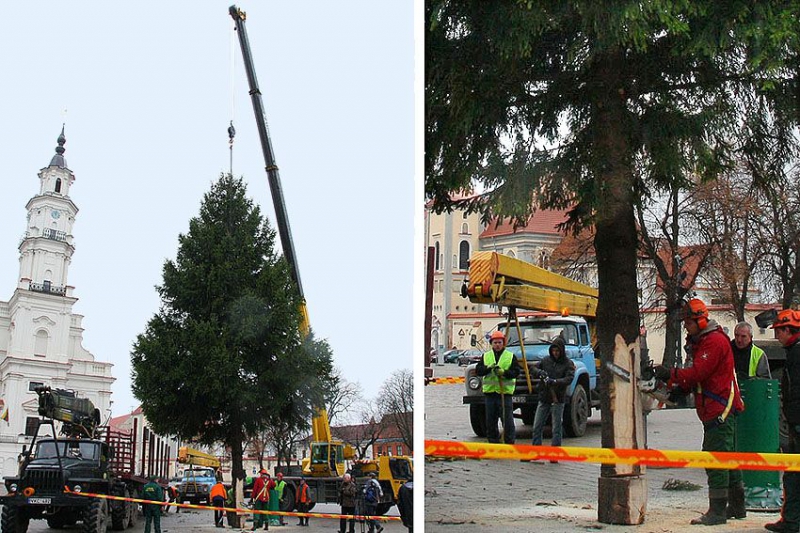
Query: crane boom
x,y
282,219
191,456
498,279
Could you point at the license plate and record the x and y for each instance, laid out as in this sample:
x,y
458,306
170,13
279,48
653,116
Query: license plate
x,y
39,501
518,399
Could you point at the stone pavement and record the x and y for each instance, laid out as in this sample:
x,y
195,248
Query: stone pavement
x,y
512,496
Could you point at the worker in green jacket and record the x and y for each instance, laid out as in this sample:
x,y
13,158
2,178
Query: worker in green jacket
x,y
279,486
152,511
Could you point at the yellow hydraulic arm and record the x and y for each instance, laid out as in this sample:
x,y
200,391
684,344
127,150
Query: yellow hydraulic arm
x,y
190,456
320,428
502,280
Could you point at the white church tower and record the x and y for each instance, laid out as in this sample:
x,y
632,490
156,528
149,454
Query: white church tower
x,y
40,337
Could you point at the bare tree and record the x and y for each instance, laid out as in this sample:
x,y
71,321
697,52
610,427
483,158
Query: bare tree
x,y
780,230
364,435
344,395
728,214
396,401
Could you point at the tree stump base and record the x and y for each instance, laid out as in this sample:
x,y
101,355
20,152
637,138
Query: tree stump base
x,y
622,500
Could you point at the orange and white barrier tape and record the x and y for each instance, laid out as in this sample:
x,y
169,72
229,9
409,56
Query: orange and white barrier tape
x,y
444,380
661,458
232,509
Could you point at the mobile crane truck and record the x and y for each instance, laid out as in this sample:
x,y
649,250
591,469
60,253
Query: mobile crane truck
x,y
88,458
566,304
195,486
327,462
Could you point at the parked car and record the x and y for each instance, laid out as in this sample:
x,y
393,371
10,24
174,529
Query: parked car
x,y
468,357
451,356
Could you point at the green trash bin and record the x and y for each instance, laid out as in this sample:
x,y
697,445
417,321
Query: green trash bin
x,y
757,431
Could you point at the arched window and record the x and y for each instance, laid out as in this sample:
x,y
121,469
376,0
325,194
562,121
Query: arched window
x,y
511,253
544,258
464,229
40,343
463,255
436,251
58,184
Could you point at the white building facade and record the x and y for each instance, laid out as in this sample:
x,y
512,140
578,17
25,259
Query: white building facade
x,y
40,337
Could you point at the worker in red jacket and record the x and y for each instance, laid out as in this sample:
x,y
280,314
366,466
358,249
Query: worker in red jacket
x,y
260,499
712,378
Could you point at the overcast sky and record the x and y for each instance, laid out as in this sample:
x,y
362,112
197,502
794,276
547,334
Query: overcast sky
x,y
149,90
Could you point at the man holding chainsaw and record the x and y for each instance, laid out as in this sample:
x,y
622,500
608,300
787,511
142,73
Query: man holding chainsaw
x,y
499,369
712,378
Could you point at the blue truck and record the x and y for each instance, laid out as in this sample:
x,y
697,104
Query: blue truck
x,y
537,335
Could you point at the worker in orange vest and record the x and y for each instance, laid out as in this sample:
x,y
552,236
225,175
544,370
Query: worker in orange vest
x,y
303,500
218,495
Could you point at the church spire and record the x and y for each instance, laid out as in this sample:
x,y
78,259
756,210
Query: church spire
x,y
58,159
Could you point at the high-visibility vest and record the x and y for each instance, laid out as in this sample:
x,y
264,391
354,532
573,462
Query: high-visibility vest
x,y
218,491
755,356
491,383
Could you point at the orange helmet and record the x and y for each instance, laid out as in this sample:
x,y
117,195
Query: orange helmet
x,y
695,309
787,317
497,335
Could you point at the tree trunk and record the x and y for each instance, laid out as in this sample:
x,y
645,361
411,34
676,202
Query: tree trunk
x,y
237,479
616,244
672,341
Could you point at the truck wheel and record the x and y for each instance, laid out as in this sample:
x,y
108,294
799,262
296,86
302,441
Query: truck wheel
x,y
576,413
95,517
13,520
383,508
287,501
133,516
477,418
119,512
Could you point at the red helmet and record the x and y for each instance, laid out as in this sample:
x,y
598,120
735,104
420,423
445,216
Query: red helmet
x,y
787,317
497,335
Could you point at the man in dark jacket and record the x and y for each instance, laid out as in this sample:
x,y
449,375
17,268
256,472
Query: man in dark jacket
x,y
347,499
556,372
787,331
499,369
405,504
712,377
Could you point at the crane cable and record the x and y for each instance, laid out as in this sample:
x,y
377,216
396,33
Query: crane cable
x,y
231,129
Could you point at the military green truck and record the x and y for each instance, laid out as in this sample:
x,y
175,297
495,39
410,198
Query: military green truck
x,y
85,458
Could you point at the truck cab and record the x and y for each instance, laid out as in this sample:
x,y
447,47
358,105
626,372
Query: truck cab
x,y
195,486
537,335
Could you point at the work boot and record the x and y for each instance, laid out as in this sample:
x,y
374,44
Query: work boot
x,y
715,514
781,527
736,508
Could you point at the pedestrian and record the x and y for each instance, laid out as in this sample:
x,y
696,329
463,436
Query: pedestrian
x,y
748,358
372,496
303,501
347,499
499,369
152,511
712,378
556,372
787,331
260,499
405,504
280,484
218,495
